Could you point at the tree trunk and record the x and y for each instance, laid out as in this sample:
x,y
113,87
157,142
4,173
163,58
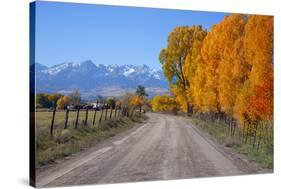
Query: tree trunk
x,y
187,108
190,110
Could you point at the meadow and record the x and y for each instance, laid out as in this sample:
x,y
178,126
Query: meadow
x,y
65,142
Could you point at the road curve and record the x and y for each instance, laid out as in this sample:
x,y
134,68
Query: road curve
x,y
166,147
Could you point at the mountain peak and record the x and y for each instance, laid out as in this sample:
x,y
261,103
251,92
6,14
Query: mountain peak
x,y
87,62
92,79
37,67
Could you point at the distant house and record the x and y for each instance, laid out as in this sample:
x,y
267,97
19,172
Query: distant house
x,y
96,105
99,105
70,107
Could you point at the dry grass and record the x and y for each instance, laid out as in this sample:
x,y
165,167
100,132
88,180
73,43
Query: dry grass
x,y
264,156
65,142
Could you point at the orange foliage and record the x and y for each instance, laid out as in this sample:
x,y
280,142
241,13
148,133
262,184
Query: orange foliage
x,y
229,69
62,102
178,61
137,101
260,105
164,104
258,44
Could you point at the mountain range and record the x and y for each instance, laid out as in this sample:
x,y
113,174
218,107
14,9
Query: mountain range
x,y
93,80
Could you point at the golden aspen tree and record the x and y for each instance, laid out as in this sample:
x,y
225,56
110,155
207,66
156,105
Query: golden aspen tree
x,y
62,102
53,98
137,101
259,53
197,86
211,56
164,104
192,63
173,58
225,67
242,101
230,80
227,70
157,104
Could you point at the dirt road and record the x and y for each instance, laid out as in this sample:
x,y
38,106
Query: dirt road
x,y
166,147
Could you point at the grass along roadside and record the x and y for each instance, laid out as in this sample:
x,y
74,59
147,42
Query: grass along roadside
x,y
69,141
264,156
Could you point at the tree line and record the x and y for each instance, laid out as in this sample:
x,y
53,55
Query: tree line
x,y
55,100
60,101
128,105
226,72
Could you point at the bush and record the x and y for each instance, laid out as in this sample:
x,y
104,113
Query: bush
x,y
63,137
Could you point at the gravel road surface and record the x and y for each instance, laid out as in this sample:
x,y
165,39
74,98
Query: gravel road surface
x,y
165,147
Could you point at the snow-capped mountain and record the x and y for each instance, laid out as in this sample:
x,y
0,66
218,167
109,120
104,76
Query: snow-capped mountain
x,y
92,79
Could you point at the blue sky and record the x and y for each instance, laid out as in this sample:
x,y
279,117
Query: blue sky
x,y
68,32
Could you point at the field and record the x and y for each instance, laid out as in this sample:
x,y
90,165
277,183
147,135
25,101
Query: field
x,y
43,119
65,142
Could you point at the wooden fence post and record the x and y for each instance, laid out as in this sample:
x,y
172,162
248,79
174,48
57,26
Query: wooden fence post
x,y
247,133
110,112
86,117
66,118
105,112
234,128
132,113
228,127
119,110
53,120
123,111
260,136
101,114
115,111
77,118
141,110
255,135
243,134
94,120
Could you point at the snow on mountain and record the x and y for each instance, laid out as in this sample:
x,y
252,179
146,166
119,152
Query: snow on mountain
x,y
157,76
87,76
128,72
